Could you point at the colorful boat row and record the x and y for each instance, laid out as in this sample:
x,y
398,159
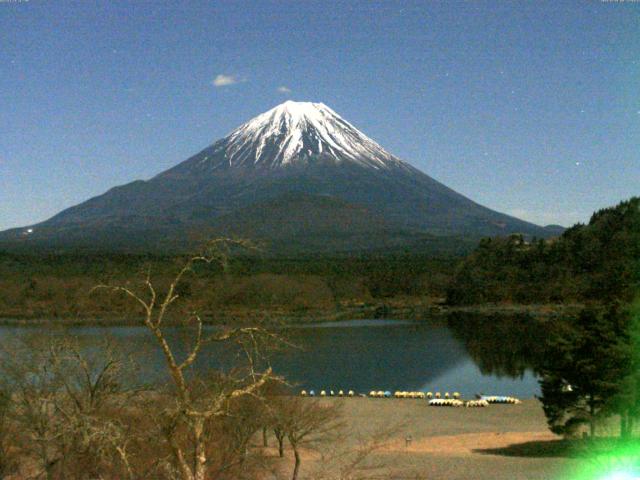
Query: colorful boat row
x,y
448,400
499,399
423,395
328,393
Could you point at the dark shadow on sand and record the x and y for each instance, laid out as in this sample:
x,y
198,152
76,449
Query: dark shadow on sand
x,y
569,448
537,449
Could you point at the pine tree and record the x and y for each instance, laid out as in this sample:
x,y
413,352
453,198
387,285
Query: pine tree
x,y
584,370
627,402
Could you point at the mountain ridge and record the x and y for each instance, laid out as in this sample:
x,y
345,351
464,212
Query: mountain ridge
x,y
295,148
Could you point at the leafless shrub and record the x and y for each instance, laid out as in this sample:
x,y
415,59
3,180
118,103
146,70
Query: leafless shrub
x,y
357,459
305,423
64,402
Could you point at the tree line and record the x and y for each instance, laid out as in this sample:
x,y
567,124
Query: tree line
x,y
596,262
57,286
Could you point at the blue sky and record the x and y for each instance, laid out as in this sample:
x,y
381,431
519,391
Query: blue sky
x,y
530,108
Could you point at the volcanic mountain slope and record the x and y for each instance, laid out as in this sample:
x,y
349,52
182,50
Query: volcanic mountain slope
x,y
296,172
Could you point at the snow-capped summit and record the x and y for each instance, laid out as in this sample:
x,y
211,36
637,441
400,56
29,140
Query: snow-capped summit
x,y
298,176
299,132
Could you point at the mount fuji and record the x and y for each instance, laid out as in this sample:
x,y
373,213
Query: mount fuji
x,y
298,177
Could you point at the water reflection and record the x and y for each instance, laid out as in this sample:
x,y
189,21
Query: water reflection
x,y
465,354
469,380
504,346
388,357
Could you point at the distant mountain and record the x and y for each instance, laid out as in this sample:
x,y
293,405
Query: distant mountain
x,y
297,174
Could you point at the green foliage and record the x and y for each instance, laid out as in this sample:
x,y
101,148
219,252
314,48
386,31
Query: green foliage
x,y
595,262
627,402
584,369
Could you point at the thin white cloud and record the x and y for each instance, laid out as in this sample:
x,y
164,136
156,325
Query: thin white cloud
x,y
223,80
284,89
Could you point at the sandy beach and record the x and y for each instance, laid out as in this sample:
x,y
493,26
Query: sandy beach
x,y
422,442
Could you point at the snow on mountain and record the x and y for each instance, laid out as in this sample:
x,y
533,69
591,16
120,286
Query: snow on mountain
x,y
296,173
298,132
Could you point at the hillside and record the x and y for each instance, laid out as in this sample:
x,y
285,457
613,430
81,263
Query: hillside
x,y
599,261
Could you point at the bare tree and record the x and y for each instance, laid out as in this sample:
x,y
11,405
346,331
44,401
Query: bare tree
x,y
95,388
63,401
305,423
188,424
275,416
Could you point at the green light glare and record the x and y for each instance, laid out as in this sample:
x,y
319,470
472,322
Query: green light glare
x,y
621,476
611,461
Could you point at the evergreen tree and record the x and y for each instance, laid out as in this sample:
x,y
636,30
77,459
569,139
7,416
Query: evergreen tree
x,y
627,402
584,370
598,262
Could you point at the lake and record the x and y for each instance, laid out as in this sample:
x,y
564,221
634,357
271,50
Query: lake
x,y
363,355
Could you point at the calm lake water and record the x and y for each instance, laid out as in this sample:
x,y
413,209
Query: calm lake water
x,y
362,355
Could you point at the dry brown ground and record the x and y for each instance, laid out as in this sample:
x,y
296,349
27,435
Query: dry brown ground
x,y
494,443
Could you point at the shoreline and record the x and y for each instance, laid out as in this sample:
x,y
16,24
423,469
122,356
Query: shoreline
x,y
270,318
